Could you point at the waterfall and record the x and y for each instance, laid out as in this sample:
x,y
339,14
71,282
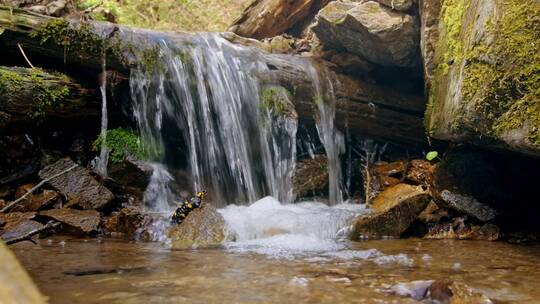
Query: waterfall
x,y
240,134
332,140
103,159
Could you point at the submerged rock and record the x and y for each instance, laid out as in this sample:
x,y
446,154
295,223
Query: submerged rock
x,y
395,209
78,222
460,229
77,184
446,291
202,228
16,286
371,30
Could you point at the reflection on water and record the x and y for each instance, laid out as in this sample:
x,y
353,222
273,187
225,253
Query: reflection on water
x,y
112,271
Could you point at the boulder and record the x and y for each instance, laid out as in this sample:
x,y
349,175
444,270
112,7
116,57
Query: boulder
x,y
16,286
371,30
398,5
311,176
203,227
77,222
77,184
468,205
485,89
394,210
269,18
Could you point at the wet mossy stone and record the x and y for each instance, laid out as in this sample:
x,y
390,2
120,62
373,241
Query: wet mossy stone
x,y
486,86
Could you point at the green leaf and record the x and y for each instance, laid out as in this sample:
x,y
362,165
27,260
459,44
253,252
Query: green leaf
x,y
432,155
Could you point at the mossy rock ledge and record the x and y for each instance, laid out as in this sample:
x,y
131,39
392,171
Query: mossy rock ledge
x,y
486,84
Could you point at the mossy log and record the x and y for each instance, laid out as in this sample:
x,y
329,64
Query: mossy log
x,y
364,108
28,96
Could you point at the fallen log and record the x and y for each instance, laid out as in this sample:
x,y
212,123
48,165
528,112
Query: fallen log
x,y
363,108
31,95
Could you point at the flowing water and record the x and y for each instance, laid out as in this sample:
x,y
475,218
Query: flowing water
x,y
103,159
282,253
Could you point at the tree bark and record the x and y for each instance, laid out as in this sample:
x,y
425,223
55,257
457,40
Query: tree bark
x,y
363,108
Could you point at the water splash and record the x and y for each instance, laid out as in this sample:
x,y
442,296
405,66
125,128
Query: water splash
x,y
158,196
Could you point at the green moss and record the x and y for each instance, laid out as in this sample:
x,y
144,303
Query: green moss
x,y
502,80
453,13
122,143
44,94
274,99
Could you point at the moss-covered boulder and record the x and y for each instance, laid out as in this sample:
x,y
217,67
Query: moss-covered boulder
x,y
486,80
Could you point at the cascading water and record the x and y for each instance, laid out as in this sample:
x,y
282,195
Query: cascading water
x,y
206,91
103,159
332,140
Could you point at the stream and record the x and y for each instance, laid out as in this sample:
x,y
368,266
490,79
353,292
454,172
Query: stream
x,y
281,254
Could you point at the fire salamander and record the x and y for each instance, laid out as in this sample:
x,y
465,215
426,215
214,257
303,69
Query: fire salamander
x,y
187,206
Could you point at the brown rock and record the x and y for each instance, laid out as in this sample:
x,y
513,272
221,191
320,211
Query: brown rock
x,y
395,209
375,32
390,169
202,228
432,213
420,172
13,219
20,230
440,291
459,229
35,202
129,177
78,222
77,184
269,18
15,284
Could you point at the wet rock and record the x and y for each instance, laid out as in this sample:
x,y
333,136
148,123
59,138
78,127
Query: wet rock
x,y
282,44
127,221
4,191
14,219
420,172
446,291
77,184
398,5
78,222
395,209
311,176
416,289
468,205
129,177
20,230
387,174
37,201
202,228
15,284
460,229
373,31
432,213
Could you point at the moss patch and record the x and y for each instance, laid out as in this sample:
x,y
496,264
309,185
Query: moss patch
x,y
121,143
277,100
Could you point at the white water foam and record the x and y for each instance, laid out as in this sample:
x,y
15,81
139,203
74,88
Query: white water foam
x,y
311,231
